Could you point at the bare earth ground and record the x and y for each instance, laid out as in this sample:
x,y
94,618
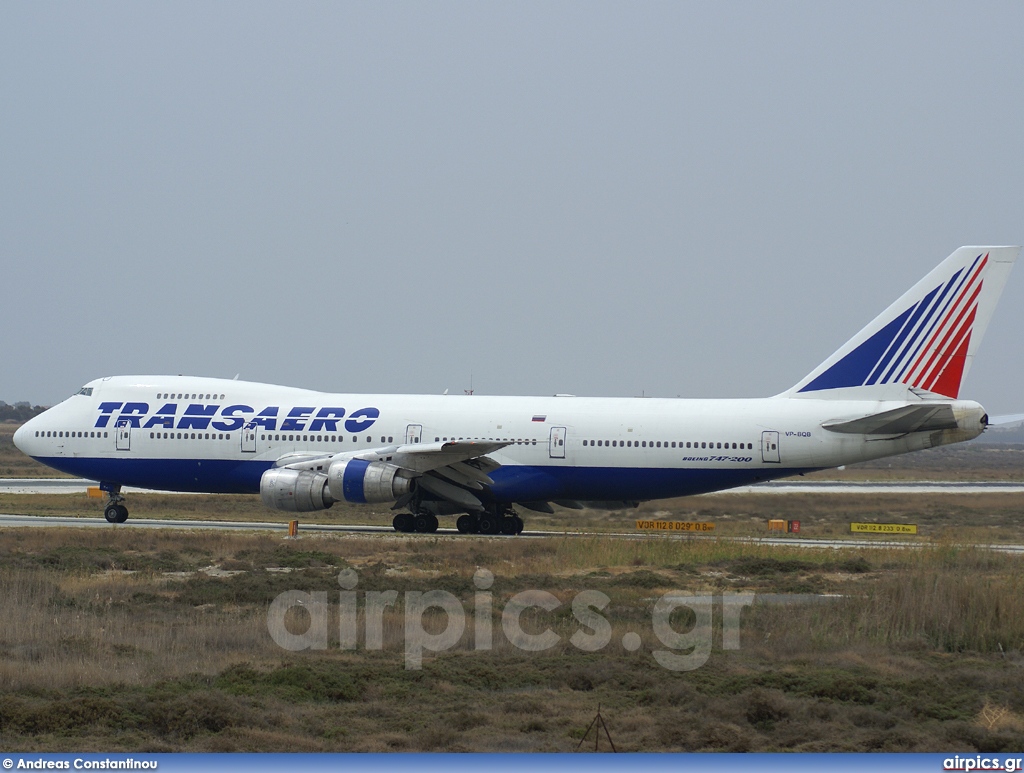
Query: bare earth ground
x,y
134,639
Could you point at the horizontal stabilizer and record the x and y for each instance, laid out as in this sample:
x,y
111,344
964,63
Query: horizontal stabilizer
x,y
1003,421
899,421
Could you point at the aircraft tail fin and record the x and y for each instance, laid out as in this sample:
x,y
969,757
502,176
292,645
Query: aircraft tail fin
x,y
924,342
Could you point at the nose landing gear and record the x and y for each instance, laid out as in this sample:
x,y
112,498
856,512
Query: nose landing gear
x,y
115,511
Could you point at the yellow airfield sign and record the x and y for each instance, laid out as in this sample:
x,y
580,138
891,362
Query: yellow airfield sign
x,y
883,528
694,526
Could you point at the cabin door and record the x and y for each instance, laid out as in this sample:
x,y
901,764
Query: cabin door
x,y
249,438
556,443
124,435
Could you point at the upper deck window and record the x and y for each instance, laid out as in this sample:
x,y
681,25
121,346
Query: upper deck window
x,y
87,391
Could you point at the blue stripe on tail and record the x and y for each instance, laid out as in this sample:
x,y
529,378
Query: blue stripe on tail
x,y
854,369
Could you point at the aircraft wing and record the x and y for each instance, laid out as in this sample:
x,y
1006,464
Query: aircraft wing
x,y
899,421
449,470
422,457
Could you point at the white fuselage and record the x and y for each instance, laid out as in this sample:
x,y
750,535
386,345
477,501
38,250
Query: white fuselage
x,y
202,434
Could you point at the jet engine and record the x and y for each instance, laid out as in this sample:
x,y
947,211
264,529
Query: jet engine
x,y
347,480
297,491
357,480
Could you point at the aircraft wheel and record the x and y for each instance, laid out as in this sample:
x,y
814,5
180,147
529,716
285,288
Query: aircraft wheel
x,y
122,514
433,523
402,522
489,524
466,524
519,524
508,526
421,522
112,513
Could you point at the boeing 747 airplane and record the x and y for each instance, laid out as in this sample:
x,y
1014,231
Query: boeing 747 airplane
x,y
891,389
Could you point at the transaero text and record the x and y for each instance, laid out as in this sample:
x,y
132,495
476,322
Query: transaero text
x,y
233,417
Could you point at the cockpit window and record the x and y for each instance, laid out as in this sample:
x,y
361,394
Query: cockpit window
x,y
87,391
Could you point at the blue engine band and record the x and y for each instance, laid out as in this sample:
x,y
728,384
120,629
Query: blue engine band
x,y
352,483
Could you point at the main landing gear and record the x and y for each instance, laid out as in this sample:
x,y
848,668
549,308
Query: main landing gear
x,y
488,522
115,511
422,522
491,522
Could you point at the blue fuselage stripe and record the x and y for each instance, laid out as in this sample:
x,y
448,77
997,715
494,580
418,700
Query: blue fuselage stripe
x,y
512,483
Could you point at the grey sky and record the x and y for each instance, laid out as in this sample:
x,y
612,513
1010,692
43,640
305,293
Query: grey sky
x,y
697,199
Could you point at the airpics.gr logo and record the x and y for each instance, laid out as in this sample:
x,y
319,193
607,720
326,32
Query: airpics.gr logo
x,y
406,625
234,417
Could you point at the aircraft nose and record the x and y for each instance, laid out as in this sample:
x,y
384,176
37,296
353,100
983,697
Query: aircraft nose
x,y
21,436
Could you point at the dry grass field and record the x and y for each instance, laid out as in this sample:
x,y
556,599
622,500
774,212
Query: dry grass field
x,y
123,638
145,640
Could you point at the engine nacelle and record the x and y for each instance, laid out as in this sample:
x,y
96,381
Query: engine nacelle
x,y
297,491
360,481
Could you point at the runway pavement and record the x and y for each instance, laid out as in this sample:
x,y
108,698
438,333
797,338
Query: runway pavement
x,y
77,485
39,521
